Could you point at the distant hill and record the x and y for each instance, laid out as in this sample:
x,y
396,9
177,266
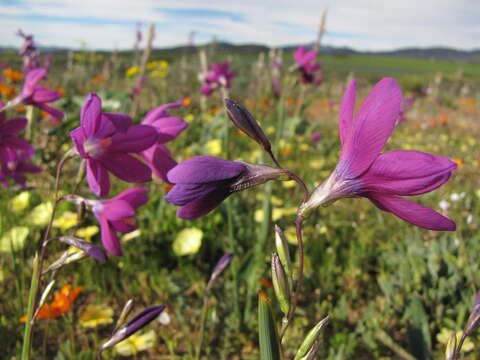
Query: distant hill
x,y
439,53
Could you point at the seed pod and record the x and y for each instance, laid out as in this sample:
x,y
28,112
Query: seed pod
x,y
280,284
281,245
310,339
243,120
267,331
474,318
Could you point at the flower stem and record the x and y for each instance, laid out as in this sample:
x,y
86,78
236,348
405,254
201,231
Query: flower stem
x,y
203,319
38,264
301,256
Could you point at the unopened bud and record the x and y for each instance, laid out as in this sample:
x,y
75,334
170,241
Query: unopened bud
x,y
474,319
280,284
90,249
283,252
222,264
123,315
310,339
247,123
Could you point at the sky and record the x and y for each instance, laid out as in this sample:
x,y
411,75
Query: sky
x,y
360,24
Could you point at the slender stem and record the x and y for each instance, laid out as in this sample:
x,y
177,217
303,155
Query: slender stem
x,y
301,255
234,265
38,263
203,318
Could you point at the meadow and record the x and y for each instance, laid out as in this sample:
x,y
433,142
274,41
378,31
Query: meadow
x,y
391,290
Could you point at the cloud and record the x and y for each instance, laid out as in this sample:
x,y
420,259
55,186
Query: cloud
x,y
362,24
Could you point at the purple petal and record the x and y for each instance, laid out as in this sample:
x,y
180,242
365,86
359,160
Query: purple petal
x,y
371,129
136,197
116,210
44,95
347,108
54,113
407,173
159,160
16,142
136,139
182,194
127,168
109,237
159,112
168,128
97,178
412,212
13,126
90,115
202,206
120,121
31,80
124,225
203,169
78,139
92,250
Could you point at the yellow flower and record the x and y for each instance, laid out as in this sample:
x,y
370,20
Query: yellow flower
x,y
131,72
159,73
96,315
445,334
20,202
291,235
66,221
288,184
188,118
188,241
136,343
214,147
131,235
87,232
14,239
40,215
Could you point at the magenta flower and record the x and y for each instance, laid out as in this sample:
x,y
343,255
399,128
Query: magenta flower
x,y
168,127
106,140
10,143
316,137
17,168
382,177
36,95
117,214
310,71
220,75
203,182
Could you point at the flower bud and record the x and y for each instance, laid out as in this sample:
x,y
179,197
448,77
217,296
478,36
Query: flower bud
x,y
91,250
474,319
310,339
283,252
247,123
222,264
131,327
123,315
280,284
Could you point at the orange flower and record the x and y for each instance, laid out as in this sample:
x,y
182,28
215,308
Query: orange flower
x,y
12,75
60,90
443,119
60,305
459,162
215,109
266,283
168,187
187,101
7,90
98,79
21,108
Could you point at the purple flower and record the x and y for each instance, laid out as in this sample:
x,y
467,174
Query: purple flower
x,y
17,168
117,214
316,137
168,127
220,75
407,103
106,140
203,182
29,52
141,320
382,177
37,95
10,143
310,71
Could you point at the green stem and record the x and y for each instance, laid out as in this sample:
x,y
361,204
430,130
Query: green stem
x,y
31,301
234,265
203,319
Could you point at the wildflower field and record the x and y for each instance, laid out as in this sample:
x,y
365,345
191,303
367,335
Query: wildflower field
x,y
144,216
